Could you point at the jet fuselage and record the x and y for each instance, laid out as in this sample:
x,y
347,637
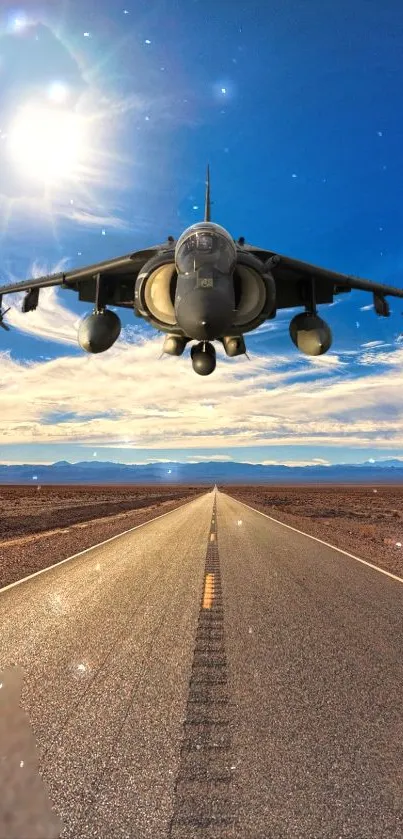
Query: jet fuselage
x,y
205,259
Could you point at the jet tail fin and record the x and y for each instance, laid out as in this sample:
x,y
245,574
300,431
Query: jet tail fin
x,y
207,203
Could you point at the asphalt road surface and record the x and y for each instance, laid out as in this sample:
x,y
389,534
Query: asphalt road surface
x,y
212,674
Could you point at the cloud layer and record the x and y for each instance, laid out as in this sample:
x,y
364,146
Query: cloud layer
x,y
51,320
129,398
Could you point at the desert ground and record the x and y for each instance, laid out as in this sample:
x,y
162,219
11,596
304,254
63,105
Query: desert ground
x,y
41,526
366,521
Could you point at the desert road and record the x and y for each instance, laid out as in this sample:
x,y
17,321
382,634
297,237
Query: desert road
x,y
213,674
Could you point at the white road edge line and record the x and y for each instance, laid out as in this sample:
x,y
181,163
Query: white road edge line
x,y
328,545
91,548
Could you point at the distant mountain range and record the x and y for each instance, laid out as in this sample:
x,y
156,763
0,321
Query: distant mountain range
x,y
226,472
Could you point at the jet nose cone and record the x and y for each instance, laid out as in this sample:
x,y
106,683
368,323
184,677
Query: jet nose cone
x,y
204,314
206,330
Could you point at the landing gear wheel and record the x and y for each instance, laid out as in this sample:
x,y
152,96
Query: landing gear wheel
x,y
203,358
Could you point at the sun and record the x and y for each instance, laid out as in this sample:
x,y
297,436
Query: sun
x,y
47,142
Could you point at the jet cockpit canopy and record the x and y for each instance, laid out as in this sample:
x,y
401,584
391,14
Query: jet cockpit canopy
x,y
202,244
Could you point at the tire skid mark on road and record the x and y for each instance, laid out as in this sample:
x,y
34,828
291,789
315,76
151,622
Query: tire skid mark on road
x,y
203,805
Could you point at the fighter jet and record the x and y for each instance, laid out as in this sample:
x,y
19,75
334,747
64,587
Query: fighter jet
x,y
204,287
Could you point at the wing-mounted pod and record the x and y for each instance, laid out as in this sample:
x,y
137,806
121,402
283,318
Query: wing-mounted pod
x,y
99,331
310,333
255,292
30,301
154,292
381,305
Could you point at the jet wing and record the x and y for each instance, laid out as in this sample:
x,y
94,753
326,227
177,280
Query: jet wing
x,y
120,273
292,278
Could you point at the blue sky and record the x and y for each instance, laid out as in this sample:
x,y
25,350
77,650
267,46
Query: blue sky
x,y
297,107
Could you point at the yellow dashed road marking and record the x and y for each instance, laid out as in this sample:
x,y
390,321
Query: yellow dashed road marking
x,y
208,594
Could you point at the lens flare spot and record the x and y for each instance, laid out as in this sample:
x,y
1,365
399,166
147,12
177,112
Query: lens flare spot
x,y
17,22
58,92
81,669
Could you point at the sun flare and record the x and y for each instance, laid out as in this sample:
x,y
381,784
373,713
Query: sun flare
x,y
47,143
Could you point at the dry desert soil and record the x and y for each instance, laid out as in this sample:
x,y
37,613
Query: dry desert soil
x,y
41,526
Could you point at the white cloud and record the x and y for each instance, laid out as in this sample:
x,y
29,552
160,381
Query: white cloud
x,y
330,360
51,320
267,326
220,458
16,212
84,217
165,108
370,344
127,398
366,308
375,356
148,460
25,461
314,461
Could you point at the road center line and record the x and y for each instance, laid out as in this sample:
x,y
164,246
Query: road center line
x,y
208,594
203,799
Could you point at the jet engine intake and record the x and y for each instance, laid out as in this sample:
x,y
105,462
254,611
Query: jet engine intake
x,y
310,333
154,291
255,293
97,332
